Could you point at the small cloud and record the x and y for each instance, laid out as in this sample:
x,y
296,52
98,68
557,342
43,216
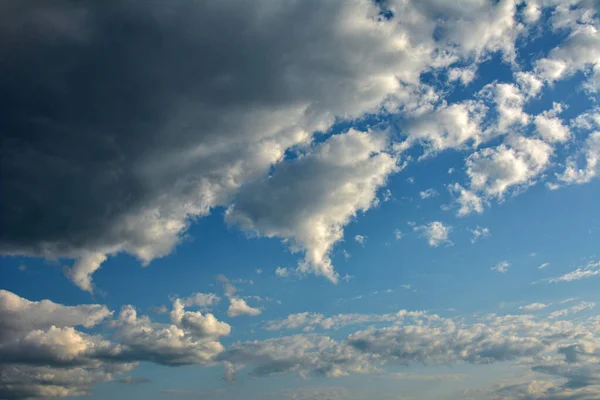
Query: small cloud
x,y
532,254
544,265
435,232
533,307
425,194
282,272
162,309
22,267
407,286
239,307
501,267
480,233
410,180
259,271
387,195
346,254
398,234
361,239
450,171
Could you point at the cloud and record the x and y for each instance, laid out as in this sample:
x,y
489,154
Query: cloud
x,y
544,265
167,153
502,267
398,234
533,307
550,127
201,300
589,270
281,272
418,338
425,194
178,136
309,200
584,305
435,232
493,171
591,154
239,307
361,239
480,233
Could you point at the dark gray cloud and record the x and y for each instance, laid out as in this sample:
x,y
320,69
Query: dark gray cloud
x,y
122,121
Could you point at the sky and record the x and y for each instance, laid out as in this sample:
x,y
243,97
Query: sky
x,y
305,200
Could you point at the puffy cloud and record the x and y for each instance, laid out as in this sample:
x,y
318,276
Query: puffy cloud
x,y
309,200
550,127
517,162
239,307
435,232
591,153
448,126
468,201
418,338
501,267
20,315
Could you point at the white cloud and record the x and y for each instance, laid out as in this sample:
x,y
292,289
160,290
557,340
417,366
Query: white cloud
x,y
480,233
201,300
550,127
591,153
435,232
361,239
544,265
493,171
308,201
281,272
425,194
533,307
502,267
468,201
239,307
589,270
584,305
398,234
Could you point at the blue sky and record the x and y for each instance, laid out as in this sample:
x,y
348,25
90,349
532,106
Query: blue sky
x,y
300,201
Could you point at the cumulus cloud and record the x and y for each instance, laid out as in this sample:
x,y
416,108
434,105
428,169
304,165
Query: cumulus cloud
x,y
435,232
493,171
419,338
550,127
178,136
309,200
239,307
